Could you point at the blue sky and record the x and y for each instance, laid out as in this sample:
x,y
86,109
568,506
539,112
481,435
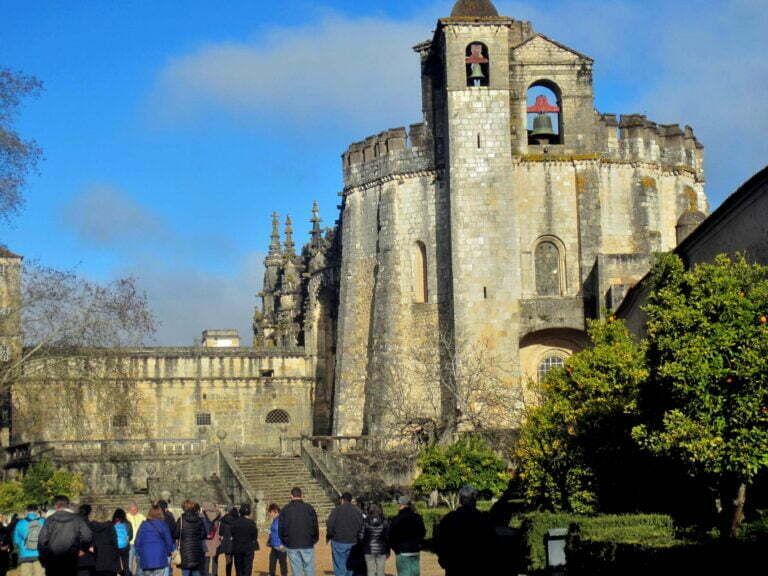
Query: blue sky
x,y
173,129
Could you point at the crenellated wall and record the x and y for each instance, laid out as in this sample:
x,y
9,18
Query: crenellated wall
x,y
391,153
634,138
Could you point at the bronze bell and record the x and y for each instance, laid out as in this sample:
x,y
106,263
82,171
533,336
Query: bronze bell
x,y
542,127
476,72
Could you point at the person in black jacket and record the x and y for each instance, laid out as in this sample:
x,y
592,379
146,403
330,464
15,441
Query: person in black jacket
x,y
6,543
61,539
190,534
466,538
373,536
343,525
86,565
104,544
225,547
406,535
245,542
299,532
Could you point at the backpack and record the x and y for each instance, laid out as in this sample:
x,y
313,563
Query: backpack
x,y
122,536
33,534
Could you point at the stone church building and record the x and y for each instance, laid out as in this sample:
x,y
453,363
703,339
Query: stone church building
x,y
512,214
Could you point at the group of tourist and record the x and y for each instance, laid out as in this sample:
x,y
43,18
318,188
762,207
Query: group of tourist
x,y
86,541
466,539
362,538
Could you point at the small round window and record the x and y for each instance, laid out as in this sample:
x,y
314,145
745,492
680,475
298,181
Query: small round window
x,y
278,417
548,364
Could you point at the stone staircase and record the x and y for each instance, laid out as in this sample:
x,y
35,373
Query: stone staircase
x,y
114,501
274,476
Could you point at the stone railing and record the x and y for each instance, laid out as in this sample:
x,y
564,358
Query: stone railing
x,y
105,449
319,469
235,483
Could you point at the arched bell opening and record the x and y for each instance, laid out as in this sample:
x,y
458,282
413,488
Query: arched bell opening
x,y
545,114
478,70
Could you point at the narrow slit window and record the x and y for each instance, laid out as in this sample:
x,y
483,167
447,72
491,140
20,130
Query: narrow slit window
x,y
420,274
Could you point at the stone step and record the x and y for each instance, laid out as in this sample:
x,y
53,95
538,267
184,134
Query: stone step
x,y
274,477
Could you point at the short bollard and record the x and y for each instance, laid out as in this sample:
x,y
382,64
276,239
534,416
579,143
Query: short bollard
x,y
554,543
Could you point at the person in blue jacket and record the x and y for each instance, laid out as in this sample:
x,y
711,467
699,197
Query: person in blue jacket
x,y
154,544
25,537
277,553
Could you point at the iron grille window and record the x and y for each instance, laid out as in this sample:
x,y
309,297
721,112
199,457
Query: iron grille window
x,y
203,419
5,353
548,364
278,417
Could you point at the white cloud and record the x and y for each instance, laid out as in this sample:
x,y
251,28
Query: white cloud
x,y
360,71
104,216
187,300
186,296
699,63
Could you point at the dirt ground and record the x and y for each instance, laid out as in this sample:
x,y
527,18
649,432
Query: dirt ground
x,y
429,566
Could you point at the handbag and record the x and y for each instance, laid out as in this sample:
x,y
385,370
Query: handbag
x,y
176,556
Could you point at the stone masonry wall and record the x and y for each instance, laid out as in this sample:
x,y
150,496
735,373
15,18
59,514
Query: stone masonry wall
x,y
159,394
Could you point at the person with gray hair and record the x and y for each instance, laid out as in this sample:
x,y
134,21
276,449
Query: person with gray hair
x,y
463,531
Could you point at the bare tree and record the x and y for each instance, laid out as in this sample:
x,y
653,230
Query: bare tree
x,y
453,387
17,156
70,363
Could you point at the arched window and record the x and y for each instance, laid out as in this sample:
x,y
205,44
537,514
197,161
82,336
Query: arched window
x,y
420,274
547,262
278,417
550,362
545,114
478,71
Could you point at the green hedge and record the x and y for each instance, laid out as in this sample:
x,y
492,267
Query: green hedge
x,y
595,558
636,528
643,545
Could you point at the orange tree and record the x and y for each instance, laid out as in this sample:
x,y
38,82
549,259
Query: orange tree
x,y
705,402
576,435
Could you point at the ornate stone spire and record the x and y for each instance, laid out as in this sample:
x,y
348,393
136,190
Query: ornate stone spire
x,y
274,256
289,246
316,231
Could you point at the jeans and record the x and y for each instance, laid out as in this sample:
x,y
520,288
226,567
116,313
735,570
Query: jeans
x,y
341,551
302,561
133,562
158,572
275,557
190,573
408,564
375,564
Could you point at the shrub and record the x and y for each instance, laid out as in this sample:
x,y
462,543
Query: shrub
x,y
11,497
468,461
638,528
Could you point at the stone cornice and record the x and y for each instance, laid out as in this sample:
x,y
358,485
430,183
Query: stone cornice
x,y
435,173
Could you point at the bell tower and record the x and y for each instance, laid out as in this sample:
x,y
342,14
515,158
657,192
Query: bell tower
x,y
472,46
